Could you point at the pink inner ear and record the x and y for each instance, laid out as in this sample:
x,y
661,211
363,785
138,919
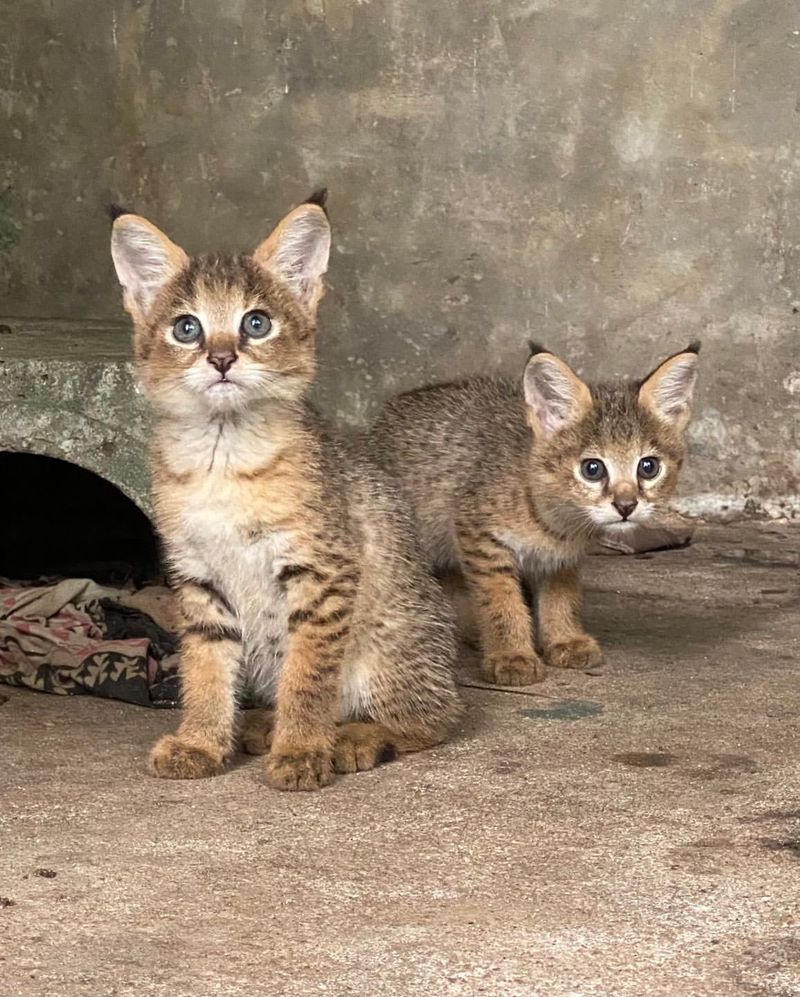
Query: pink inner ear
x,y
298,251
671,393
144,259
302,256
551,395
552,415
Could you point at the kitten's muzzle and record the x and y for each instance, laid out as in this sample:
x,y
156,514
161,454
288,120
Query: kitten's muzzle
x,y
625,506
222,361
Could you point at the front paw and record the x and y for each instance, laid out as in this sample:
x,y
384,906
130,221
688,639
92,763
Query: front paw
x,y
302,770
579,652
513,669
172,758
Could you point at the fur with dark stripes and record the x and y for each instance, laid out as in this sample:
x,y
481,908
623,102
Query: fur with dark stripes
x,y
492,470
298,573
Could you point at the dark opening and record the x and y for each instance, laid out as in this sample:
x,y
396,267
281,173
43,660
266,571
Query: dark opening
x,y
57,519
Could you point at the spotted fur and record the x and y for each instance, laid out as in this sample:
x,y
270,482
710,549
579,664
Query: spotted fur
x,y
491,469
298,574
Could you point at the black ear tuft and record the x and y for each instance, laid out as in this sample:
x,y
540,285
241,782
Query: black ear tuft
x,y
320,198
535,348
116,211
693,347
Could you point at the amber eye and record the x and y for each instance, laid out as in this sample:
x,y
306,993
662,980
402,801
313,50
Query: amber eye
x,y
593,470
649,468
256,325
187,329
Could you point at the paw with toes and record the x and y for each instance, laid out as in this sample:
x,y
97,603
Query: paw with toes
x,y
256,735
299,770
580,652
172,758
513,669
360,747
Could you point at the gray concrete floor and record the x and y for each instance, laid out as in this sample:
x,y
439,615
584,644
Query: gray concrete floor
x,y
630,833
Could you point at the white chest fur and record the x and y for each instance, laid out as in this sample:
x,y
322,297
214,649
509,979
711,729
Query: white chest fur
x,y
211,537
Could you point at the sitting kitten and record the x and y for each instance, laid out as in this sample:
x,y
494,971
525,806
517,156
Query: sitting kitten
x,y
299,578
511,482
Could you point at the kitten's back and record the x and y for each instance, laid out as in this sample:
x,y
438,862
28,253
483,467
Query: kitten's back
x,y
435,441
454,421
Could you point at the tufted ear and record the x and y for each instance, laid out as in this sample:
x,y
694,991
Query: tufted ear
x,y
145,260
555,395
298,251
667,391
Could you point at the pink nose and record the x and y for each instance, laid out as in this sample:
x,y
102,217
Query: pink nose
x,y
625,506
222,361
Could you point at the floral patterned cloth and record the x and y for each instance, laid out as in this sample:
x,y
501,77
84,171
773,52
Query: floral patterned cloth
x,y
75,637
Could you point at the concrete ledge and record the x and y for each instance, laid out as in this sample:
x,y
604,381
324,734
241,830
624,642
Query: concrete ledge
x,y
67,391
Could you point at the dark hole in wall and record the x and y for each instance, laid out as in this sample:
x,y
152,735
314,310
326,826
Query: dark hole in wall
x,y
58,519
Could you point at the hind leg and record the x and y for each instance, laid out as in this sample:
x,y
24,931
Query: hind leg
x,y
400,691
458,596
255,735
358,746
361,746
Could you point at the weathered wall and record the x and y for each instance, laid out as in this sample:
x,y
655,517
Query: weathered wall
x,y
613,178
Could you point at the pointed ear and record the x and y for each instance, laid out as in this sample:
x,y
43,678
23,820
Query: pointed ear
x,y
145,259
667,392
555,395
298,251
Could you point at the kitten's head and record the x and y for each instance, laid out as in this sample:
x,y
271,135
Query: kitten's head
x,y
606,455
218,334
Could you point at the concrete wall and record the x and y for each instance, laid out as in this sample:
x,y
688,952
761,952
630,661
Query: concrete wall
x,y
67,390
614,178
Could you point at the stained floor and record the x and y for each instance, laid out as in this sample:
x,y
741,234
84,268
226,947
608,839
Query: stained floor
x,y
635,832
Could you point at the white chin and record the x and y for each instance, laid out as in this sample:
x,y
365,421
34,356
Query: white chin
x,y
224,393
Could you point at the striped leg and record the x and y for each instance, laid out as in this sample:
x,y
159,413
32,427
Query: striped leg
x,y
211,648
566,644
320,604
504,622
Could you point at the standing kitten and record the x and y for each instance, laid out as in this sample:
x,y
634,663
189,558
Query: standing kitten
x,y
511,482
298,575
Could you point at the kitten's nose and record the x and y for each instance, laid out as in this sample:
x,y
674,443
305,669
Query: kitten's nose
x,y
222,361
625,506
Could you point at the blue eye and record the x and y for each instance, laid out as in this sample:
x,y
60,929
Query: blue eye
x,y
593,470
256,325
649,468
187,329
